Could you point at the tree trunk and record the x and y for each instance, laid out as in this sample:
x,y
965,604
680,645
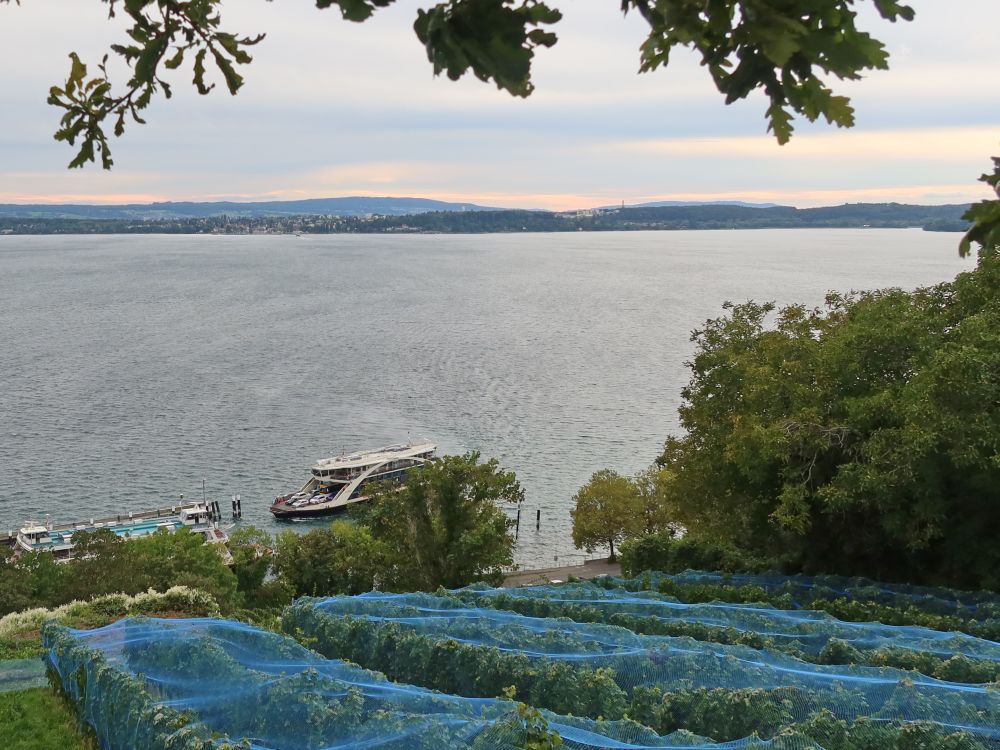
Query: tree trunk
x,y
611,544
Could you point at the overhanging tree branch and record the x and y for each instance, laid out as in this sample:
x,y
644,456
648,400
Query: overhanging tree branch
x,y
787,49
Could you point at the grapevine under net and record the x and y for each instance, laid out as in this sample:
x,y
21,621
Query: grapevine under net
x,y
807,631
205,683
803,589
635,663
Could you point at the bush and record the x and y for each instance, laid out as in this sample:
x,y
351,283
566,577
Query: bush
x,y
752,632
104,609
196,684
106,564
664,552
451,657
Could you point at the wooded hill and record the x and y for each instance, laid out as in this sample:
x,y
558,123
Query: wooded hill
x,y
709,216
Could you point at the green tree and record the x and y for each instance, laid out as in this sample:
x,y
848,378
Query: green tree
x,y
653,497
105,563
249,547
861,438
606,512
985,218
342,559
445,526
101,566
181,558
27,582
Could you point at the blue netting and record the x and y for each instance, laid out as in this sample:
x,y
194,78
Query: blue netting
x,y
804,630
675,664
802,588
22,674
238,683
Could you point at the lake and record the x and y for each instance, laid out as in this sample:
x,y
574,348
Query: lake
x,y
133,367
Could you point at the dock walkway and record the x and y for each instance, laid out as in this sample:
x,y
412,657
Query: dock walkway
x,y
8,538
586,571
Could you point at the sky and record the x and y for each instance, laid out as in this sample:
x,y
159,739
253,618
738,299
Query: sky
x,y
332,108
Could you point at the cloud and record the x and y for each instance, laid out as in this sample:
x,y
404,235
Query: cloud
x,y
332,107
921,144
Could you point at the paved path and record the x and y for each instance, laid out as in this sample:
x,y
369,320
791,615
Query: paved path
x,y
589,569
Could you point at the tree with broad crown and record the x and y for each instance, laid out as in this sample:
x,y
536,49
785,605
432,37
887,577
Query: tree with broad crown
x,y
784,48
611,508
445,526
606,511
652,495
250,548
862,438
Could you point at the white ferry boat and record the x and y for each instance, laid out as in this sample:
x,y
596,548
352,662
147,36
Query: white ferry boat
x,y
340,481
58,539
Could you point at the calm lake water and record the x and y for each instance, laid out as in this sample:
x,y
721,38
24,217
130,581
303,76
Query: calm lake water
x,y
133,367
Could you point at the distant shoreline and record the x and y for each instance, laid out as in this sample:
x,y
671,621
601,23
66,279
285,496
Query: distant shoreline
x,y
659,218
432,233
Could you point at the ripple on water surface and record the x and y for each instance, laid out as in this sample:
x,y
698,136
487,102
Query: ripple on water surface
x,y
133,367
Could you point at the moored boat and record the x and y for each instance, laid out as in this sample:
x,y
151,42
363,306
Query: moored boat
x,y
59,538
340,481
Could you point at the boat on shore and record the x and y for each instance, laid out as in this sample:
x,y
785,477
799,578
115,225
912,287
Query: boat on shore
x,y
58,539
339,482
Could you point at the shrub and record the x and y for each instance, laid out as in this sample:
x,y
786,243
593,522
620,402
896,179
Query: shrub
x,y
103,609
666,553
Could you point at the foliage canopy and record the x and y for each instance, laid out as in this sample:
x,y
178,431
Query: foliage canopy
x,y
604,511
863,438
107,564
342,558
445,526
611,508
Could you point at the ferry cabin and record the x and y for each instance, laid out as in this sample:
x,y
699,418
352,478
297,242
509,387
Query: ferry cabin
x,y
340,481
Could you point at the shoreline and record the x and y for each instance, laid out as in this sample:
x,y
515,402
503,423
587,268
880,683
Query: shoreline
x,y
586,571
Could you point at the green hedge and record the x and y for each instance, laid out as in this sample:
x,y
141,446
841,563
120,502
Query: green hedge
x,y
314,708
669,554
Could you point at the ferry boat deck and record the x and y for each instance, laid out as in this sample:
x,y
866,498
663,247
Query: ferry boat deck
x,y
340,481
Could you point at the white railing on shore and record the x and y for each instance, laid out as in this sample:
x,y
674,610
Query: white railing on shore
x,y
564,560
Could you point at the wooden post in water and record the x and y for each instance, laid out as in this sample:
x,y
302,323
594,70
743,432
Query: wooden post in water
x,y
538,519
